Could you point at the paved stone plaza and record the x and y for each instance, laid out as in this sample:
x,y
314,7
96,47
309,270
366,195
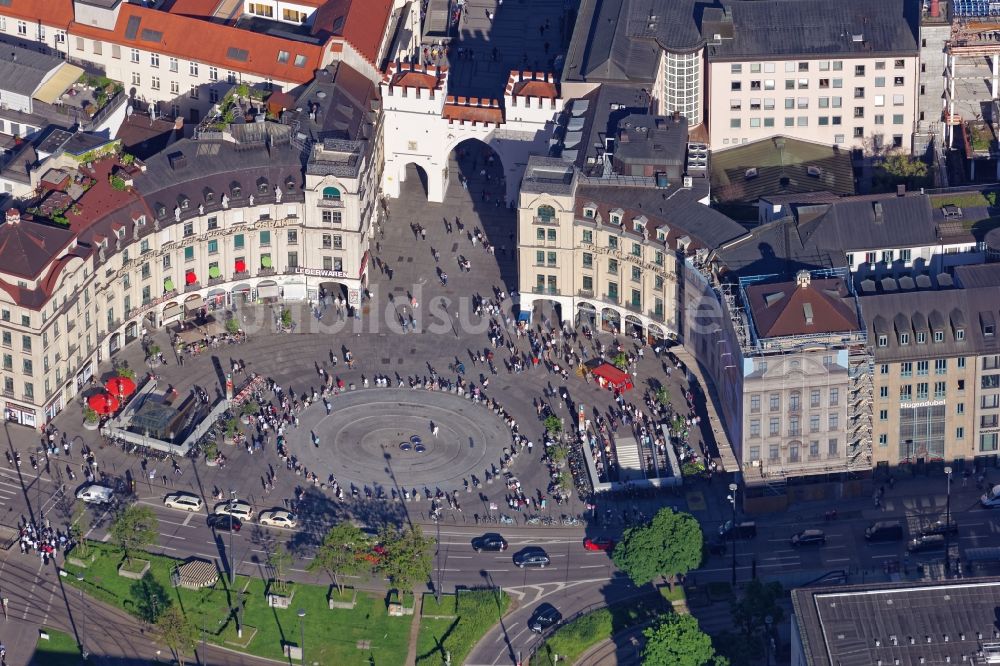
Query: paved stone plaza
x,y
384,437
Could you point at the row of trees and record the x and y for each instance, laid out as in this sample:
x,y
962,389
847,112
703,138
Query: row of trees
x,y
667,548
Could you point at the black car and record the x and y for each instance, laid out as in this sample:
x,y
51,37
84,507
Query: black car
x,y
809,538
489,541
940,527
925,543
224,522
534,557
544,617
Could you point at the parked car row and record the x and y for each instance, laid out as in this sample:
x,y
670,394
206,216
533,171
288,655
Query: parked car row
x,y
238,510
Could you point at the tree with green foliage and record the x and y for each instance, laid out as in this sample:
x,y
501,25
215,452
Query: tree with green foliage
x,y
759,600
286,318
620,361
553,425
342,553
663,395
128,373
668,546
177,633
407,558
232,326
677,640
134,528
899,168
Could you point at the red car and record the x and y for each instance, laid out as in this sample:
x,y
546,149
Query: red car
x,y
600,543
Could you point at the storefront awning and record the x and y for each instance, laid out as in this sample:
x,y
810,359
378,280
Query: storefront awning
x,y
194,303
268,291
172,310
295,292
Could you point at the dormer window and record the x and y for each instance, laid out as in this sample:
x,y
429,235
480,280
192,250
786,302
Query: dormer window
x,y
209,196
883,341
661,235
904,338
959,333
140,221
589,212
546,214
938,336
289,183
236,190
921,338
161,210
331,194
989,330
262,187
185,203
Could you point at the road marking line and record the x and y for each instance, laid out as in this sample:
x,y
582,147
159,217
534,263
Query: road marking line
x,y
187,521
592,566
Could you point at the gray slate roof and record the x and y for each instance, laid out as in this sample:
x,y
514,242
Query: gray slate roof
x,y
23,70
620,40
818,27
930,310
854,625
820,236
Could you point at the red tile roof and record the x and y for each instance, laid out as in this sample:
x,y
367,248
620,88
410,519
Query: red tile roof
x,y
536,89
207,42
50,12
473,114
100,200
361,23
786,308
205,8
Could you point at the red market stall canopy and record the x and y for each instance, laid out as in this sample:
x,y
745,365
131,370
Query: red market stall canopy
x,y
103,403
611,377
120,386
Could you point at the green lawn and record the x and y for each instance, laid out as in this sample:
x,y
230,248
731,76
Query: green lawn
x,y
331,636
477,611
60,650
962,200
575,638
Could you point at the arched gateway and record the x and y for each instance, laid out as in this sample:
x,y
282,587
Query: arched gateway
x,y
424,124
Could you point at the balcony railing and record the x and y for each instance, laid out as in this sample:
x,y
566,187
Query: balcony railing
x,y
552,291
241,275
549,221
611,299
331,203
634,307
194,286
585,293
214,281
263,272
655,314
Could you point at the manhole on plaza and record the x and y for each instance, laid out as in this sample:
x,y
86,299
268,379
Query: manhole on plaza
x,y
399,438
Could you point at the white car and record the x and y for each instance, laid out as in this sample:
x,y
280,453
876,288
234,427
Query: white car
x,y
279,518
95,494
237,508
183,501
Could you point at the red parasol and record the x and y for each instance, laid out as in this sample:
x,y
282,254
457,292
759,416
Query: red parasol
x,y
103,403
190,277
120,386
241,266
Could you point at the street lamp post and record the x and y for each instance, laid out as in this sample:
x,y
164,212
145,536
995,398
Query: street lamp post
x,y
232,559
732,533
302,635
768,621
947,525
83,632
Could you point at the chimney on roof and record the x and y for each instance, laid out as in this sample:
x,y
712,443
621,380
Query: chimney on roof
x,y
13,216
807,312
878,213
802,279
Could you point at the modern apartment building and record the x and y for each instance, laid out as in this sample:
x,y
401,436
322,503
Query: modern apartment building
x,y
838,73
183,55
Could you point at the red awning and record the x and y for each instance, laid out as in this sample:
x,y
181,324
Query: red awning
x,y
616,379
103,403
120,386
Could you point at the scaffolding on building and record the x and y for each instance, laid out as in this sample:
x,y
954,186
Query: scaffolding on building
x,y
860,366
973,37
